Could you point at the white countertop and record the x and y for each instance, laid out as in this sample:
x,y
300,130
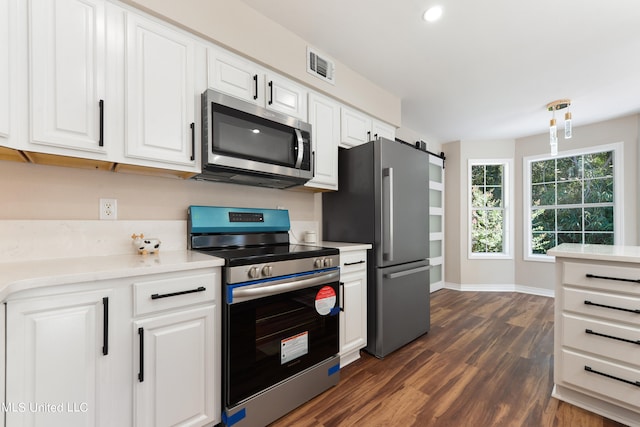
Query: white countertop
x,y
597,252
22,275
345,246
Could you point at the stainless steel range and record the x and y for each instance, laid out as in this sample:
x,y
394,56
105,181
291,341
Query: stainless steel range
x,y
280,314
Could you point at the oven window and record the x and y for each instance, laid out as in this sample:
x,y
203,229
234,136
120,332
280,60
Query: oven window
x,y
270,339
238,134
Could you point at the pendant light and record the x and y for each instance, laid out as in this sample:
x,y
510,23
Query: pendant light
x,y
553,130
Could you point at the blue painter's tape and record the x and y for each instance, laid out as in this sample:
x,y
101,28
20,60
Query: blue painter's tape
x,y
334,311
333,369
231,420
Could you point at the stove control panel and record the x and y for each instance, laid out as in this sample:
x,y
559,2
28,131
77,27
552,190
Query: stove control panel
x,y
323,262
273,270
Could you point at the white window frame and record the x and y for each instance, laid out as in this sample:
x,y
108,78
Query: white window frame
x,y
618,193
507,198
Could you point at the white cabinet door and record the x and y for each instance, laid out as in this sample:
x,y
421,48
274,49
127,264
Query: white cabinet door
x,y
57,374
355,128
5,76
176,365
286,97
67,79
160,94
235,76
324,116
382,130
353,319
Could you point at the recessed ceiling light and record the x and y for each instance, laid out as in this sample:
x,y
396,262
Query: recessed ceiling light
x,y
432,14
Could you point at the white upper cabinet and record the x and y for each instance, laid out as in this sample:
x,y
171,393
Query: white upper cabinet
x,y
5,71
324,117
67,76
160,94
357,128
246,80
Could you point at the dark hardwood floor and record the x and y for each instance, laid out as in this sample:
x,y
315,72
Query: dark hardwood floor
x,y
487,361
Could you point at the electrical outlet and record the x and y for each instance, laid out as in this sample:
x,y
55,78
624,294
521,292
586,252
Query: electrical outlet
x,y
108,209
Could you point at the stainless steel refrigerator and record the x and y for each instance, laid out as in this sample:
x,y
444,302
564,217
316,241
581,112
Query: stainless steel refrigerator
x,y
383,199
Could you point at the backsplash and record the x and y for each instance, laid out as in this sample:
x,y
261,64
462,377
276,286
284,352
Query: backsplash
x,y
23,240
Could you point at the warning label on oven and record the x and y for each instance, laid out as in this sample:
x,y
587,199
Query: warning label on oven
x,y
325,300
294,347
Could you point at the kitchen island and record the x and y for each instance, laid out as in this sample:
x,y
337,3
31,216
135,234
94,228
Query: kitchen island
x,y
597,329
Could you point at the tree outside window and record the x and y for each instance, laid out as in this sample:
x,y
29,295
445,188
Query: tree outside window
x,y
488,215
572,200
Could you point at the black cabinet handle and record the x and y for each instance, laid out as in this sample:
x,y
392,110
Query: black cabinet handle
x,y
368,135
629,310
354,263
375,136
193,141
141,373
255,83
589,369
590,332
270,92
105,326
593,276
101,137
173,294
342,305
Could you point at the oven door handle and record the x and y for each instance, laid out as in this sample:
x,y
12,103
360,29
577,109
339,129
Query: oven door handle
x,y
261,290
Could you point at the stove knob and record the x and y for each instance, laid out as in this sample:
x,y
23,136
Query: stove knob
x,y
318,263
267,271
328,262
254,272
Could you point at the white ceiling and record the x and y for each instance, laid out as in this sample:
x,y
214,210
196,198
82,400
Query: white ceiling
x,y
488,68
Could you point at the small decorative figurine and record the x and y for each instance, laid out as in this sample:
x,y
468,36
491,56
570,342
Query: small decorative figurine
x,y
145,246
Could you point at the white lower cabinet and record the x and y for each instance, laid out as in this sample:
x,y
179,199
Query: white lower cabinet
x,y
353,318
116,353
175,364
597,327
60,367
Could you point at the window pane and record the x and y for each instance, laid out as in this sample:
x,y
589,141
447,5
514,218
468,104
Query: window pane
x,y
494,197
543,219
494,174
599,238
486,230
598,219
541,242
569,168
435,173
477,175
435,223
543,194
570,219
569,238
435,198
570,192
544,171
435,248
598,190
598,165
477,197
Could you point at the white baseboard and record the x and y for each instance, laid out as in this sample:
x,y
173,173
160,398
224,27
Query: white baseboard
x,y
500,288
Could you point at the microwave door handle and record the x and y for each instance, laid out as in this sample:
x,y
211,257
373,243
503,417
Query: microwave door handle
x,y
300,148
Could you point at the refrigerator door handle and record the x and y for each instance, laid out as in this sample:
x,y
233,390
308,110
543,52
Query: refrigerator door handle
x,y
387,255
407,272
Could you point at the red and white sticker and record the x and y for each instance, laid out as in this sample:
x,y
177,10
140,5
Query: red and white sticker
x,y
325,300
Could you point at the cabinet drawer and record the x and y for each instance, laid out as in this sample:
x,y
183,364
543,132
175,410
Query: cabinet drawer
x,y
353,261
574,372
608,277
606,339
166,294
602,304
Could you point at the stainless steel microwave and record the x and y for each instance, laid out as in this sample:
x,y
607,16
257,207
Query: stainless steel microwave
x,y
243,143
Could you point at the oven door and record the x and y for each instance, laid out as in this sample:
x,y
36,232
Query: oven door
x,y
276,329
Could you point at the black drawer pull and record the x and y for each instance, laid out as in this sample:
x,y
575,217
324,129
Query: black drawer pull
x,y
157,296
629,310
593,276
354,263
590,332
589,369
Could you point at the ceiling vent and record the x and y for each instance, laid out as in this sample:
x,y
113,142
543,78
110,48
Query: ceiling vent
x,y
321,66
